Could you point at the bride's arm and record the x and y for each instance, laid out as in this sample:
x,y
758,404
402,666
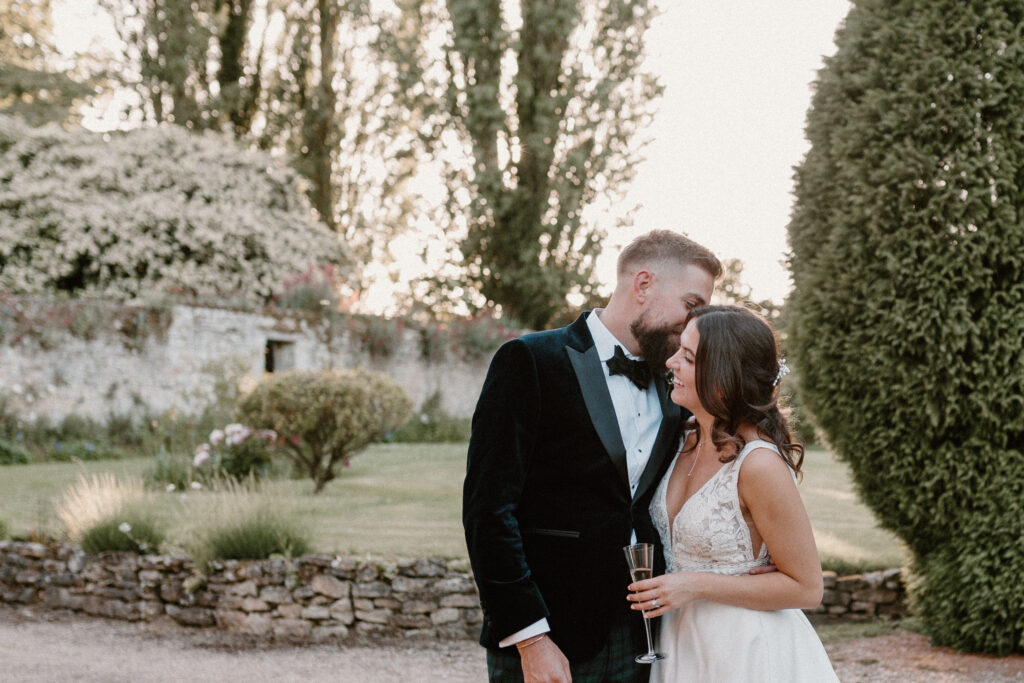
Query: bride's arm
x,y
768,491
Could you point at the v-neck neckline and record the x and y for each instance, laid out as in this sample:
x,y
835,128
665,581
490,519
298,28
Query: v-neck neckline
x,y
668,481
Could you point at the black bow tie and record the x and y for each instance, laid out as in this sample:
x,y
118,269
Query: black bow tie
x,y
636,371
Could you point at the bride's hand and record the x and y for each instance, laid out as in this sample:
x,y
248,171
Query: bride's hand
x,y
665,593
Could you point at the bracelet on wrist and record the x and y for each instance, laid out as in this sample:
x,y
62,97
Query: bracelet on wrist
x,y
522,645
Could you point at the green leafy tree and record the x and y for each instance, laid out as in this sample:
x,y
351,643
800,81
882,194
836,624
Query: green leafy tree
x,y
189,61
349,101
323,419
32,85
907,319
546,103
338,87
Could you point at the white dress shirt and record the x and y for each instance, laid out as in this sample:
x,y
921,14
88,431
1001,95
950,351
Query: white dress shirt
x,y
639,416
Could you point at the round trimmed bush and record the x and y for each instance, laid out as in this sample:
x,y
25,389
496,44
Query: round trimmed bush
x,y
322,419
907,316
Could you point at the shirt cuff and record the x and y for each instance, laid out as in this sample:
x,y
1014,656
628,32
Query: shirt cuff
x,y
534,629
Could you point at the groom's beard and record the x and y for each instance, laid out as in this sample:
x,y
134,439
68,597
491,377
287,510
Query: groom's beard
x,y
656,344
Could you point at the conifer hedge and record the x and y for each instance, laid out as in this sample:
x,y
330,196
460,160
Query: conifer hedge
x,y
907,242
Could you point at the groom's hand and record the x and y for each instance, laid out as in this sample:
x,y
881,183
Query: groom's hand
x,y
543,662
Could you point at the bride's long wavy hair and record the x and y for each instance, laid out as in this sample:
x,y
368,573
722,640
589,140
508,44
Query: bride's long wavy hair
x,y
737,372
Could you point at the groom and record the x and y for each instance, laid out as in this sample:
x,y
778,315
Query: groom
x,y
570,436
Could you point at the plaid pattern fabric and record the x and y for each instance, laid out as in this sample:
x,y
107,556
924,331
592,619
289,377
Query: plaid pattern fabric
x,y
613,664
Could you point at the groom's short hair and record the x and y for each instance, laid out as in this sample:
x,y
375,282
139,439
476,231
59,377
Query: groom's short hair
x,y
665,245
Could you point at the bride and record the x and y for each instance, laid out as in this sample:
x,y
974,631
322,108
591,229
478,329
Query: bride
x,y
729,504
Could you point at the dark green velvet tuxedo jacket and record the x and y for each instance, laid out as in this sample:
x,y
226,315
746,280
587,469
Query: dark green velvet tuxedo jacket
x,y
546,501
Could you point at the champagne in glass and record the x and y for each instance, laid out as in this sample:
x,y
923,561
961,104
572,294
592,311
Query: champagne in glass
x,y
640,558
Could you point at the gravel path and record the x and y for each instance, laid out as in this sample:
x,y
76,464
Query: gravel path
x,y
55,646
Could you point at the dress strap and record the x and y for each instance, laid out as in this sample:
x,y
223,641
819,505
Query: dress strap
x,y
756,443
760,443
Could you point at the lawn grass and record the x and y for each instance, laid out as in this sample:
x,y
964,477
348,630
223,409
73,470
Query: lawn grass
x,y
847,534
404,500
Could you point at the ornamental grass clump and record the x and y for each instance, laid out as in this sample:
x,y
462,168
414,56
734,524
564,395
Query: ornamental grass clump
x,y
322,419
239,522
102,513
132,530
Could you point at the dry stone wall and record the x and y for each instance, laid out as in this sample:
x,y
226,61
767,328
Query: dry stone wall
x,y
313,597
873,594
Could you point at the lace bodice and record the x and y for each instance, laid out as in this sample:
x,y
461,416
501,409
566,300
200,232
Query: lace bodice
x,y
709,533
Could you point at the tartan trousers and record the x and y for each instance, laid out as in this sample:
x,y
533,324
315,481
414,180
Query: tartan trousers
x,y
614,663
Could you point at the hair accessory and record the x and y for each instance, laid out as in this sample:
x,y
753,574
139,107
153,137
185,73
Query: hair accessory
x,y
783,371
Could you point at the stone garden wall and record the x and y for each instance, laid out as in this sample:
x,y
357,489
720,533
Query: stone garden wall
x,y
313,597
861,596
96,359
310,598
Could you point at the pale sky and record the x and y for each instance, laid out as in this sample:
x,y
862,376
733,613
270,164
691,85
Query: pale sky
x,y
737,77
729,128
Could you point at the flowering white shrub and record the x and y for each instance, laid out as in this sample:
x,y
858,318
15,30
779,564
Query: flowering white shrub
x,y
121,214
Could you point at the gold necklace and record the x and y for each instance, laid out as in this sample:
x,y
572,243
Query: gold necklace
x,y
700,447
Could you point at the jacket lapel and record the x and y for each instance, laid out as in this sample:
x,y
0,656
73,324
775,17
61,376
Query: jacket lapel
x,y
590,375
664,443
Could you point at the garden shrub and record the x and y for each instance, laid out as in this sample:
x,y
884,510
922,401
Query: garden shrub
x,y
71,451
237,451
174,472
131,530
5,531
478,337
124,214
431,424
315,289
12,453
907,314
323,419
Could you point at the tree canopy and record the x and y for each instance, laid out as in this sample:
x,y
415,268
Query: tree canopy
x,y
333,85
546,104
32,85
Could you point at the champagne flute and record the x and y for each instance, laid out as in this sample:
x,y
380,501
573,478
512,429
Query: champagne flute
x,y
640,558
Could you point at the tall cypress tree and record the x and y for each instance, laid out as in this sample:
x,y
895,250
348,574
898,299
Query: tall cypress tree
x,y
907,317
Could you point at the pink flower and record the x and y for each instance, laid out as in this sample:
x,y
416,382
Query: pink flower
x,y
238,436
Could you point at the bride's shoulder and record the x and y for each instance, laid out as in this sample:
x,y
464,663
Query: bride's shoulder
x,y
763,462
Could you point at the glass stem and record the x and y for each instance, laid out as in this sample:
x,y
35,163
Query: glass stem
x,y
647,630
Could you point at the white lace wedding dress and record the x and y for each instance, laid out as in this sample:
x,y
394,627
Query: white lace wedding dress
x,y
709,641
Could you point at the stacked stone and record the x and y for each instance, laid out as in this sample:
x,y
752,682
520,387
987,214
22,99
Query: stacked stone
x,y
862,596
313,597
